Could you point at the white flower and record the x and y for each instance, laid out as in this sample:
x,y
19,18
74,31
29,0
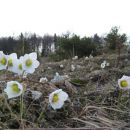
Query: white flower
x,y
61,66
3,60
86,58
12,59
43,80
13,89
30,62
72,67
18,67
124,82
107,64
57,98
103,65
75,58
90,56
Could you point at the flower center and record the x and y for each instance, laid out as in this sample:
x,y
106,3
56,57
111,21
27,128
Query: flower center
x,y
124,83
55,98
20,66
10,62
28,62
3,61
15,88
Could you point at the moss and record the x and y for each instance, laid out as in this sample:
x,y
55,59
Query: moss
x,y
78,82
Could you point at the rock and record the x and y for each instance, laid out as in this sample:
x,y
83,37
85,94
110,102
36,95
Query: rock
x,y
36,94
43,80
57,79
70,87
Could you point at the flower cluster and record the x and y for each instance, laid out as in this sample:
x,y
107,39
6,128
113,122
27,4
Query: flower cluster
x,y
104,64
22,66
27,63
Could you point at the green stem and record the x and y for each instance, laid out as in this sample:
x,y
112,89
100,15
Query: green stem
x,y
21,110
129,97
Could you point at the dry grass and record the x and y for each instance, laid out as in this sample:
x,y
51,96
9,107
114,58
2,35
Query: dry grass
x,y
94,98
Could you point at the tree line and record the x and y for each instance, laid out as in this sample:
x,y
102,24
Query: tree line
x,y
26,43
64,46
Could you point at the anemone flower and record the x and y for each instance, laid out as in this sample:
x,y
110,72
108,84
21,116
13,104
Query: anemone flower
x,y
19,66
3,60
124,82
12,59
57,99
103,65
30,62
13,89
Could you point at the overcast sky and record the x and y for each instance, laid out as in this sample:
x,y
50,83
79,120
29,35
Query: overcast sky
x,y
83,17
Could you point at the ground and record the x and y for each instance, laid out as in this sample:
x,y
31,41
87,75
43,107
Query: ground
x,y
95,100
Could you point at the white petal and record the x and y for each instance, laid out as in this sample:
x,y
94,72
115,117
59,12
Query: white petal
x,y
30,71
1,52
21,58
2,67
63,96
128,80
25,57
36,64
10,83
57,105
33,55
57,91
124,77
13,56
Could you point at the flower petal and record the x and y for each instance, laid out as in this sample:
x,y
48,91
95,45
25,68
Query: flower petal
x,y
36,64
63,96
31,70
57,105
13,56
33,55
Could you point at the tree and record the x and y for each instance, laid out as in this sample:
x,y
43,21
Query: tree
x,y
114,38
70,46
47,42
96,39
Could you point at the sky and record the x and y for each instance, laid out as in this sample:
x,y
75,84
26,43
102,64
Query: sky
x,y
82,17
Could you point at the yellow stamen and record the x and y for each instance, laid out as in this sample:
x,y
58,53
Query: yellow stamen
x,y
10,62
124,83
20,66
3,61
15,88
55,98
28,62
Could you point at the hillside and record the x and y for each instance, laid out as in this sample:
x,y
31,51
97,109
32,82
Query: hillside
x,y
95,100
